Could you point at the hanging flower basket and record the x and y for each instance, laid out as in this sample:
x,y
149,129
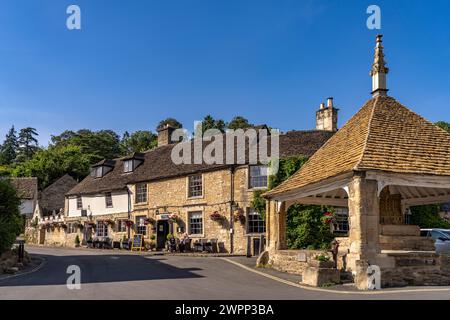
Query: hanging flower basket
x,y
328,217
129,223
216,216
239,216
148,221
109,222
174,217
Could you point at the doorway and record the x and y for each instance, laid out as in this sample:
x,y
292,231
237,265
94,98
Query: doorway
x,y
87,234
162,230
42,236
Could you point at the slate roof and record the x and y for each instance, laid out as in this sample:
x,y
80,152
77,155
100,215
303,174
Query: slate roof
x,y
26,188
158,164
383,135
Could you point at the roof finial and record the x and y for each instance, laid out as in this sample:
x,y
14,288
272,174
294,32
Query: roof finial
x,y
379,70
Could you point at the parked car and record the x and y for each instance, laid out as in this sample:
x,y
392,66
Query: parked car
x,y
440,236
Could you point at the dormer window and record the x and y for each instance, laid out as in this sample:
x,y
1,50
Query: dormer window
x,y
102,168
130,163
128,166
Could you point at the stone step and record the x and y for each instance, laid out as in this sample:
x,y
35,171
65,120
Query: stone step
x,y
406,243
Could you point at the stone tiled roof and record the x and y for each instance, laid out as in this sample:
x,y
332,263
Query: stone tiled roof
x,y
384,135
26,188
52,198
158,164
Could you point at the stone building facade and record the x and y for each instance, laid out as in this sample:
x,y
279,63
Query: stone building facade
x,y
147,193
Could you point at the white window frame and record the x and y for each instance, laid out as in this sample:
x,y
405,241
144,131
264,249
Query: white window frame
x,y
79,202
202,224
108,195
102,229
253,212
128,166
188,191
137,193
140,229
250,184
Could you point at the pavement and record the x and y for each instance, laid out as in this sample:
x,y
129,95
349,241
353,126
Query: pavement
x,y
108,274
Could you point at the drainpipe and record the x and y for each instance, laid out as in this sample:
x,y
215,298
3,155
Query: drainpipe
x,y
232,169
129,211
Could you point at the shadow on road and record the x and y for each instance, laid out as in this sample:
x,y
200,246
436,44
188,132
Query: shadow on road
x,y
100,268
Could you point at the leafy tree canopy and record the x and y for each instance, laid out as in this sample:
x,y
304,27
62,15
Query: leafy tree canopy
x,y
427,217
97,145
138,141
239,122
50,164
8,149
210,123
444,125
11,222
170,121
27,144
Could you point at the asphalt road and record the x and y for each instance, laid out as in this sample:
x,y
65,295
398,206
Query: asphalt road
x,y
111,275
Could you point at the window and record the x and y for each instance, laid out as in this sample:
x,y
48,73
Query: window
x,y
255,223
102,229
108,200
141,193
128,166
141,228
71,228
97,172
258,177
340,224
79,203
121,226
195,187
196,223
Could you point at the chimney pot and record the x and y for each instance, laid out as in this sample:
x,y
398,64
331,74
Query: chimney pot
x,y
330,102
322,106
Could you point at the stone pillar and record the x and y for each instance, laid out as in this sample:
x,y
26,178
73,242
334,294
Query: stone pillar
x,y
275,226
364,210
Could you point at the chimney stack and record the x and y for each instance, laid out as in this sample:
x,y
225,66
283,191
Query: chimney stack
x,y
164,135
326,118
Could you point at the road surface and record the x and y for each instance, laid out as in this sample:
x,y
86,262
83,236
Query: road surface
x,y
114,275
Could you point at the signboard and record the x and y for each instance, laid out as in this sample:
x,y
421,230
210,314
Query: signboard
x,y
137,242
164,217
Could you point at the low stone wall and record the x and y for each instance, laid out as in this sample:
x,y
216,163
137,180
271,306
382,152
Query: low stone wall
x,y
417,269
293,261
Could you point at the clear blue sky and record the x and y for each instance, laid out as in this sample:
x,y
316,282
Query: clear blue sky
x,y
137,62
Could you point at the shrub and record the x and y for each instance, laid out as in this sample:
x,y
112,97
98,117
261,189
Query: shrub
x,y
428,217
306,228
11,221
77,241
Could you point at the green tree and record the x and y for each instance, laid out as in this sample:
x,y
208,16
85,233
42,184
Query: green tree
x,y
11,222
239,122
427,217
98,145
50,164
9,148
27,144
306,228
210,123
138,141
170,121
444,125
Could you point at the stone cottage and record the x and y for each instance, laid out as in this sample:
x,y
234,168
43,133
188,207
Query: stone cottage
x,y
147,193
